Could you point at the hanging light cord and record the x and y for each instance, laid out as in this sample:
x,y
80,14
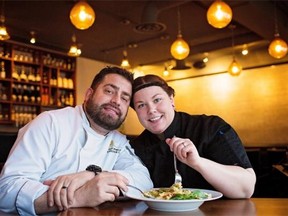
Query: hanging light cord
x,y
232,27
2,17
179,22
276,21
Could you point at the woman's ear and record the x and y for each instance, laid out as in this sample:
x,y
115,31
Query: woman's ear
x,y
172,101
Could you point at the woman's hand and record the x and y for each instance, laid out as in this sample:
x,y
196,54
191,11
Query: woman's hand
x,y
185,150
62,189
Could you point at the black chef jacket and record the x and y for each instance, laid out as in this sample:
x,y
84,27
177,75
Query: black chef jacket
x,y
213,137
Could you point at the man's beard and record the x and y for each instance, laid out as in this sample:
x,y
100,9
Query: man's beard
x,y
100,118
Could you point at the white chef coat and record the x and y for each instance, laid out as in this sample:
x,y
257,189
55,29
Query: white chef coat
x,y
60,142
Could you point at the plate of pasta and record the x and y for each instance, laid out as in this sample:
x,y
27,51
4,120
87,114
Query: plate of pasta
x,y
174,198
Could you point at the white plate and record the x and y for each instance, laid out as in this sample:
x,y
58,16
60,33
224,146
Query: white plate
x,y
173,205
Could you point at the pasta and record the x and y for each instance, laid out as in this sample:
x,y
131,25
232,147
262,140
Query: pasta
x,y
176,192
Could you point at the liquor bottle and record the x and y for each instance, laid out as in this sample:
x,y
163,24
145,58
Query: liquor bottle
x,y
15,74
31,76
3,72
32,94
37,76
23,76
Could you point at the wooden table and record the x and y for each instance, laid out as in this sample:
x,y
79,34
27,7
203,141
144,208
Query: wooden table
x,y
221,207
245,207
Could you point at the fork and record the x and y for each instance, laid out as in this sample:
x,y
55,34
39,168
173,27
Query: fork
x,y
144,194
178,177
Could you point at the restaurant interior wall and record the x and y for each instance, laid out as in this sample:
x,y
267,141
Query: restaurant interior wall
x,y
254,103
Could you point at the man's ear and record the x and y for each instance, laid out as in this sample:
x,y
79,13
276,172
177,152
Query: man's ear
x,y
88,93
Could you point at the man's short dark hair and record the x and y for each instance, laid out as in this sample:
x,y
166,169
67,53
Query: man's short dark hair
x,y
111,70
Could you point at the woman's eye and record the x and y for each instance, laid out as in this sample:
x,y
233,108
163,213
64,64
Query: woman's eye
x,y
139,106
157,100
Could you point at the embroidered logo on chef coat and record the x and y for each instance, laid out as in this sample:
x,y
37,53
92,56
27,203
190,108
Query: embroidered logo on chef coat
x,y
112,148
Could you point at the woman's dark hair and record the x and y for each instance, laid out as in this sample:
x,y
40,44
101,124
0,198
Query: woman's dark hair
x,y
111,70
150,80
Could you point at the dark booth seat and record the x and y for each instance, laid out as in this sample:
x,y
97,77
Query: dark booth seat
x,y
6,142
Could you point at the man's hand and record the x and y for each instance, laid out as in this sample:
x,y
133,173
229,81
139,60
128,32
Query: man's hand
x,y
92,190
103,187
62,189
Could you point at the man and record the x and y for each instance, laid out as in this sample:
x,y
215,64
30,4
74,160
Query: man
x,y
57,159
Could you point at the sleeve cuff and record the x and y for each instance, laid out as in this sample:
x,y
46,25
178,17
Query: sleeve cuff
x,y
27,195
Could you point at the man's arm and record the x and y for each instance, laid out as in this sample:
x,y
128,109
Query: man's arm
x,y
101,188
41,205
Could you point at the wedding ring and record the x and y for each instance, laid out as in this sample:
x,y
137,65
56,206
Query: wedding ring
x,y
64,187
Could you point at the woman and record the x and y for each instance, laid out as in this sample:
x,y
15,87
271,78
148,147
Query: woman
x,y
210,155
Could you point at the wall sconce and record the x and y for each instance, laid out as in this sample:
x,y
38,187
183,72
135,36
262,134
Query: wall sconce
x,y
82,15
74,50
245,50
278,47
219,14
125,63
234,68
165,72
179,49
33,38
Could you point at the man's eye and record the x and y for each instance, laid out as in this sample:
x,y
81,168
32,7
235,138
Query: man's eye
x,y
108,91
126,99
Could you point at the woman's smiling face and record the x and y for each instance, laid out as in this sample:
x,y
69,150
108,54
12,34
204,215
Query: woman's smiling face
x,y
154,108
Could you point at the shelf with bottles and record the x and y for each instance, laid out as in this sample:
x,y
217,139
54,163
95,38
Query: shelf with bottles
x,y
26,73
26,93
59,62
5,69
35,79
5,93
25,55
66,98
22,114
65,80
5,112
5,51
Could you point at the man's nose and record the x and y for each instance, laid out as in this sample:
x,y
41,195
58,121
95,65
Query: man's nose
x,y
116,99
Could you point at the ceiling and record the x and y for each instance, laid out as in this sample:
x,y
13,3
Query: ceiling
x,y
114,27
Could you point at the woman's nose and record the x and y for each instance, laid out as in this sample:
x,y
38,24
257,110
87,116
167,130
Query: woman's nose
x,y
151,108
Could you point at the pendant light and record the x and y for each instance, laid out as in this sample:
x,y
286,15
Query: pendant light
x,y
179,49
33,37
3,31
278,47
234,68
219,14
74,50
82,15
125,63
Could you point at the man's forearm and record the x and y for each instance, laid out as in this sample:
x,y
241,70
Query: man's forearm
x,y
41,205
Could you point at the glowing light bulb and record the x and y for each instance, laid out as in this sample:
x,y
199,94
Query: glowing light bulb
x,y
219,14
278,48
180,49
